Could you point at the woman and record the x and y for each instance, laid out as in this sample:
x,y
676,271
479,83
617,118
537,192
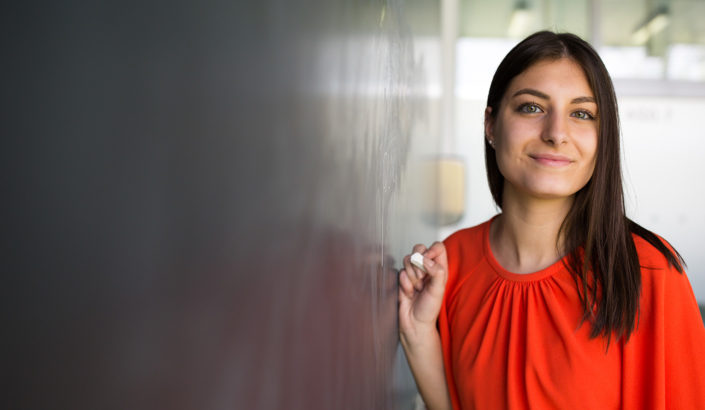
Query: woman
x,y
560,301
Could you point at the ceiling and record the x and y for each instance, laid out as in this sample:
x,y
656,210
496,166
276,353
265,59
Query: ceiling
x,y
616,20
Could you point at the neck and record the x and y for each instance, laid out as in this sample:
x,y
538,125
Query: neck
x,y
524,238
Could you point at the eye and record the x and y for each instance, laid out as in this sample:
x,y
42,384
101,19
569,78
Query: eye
x,y
583,115
529,108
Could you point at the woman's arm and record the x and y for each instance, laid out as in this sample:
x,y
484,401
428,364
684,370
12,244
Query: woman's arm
x,y
426,361
420,298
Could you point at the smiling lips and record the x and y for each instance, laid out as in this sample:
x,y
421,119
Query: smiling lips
x,y
551,160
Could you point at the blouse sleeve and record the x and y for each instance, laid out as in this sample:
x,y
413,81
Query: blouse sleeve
x,y
664,360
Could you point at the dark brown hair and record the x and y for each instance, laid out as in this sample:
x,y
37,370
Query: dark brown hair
x,y
597,235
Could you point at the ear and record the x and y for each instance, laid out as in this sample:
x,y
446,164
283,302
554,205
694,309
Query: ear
x,y
489,124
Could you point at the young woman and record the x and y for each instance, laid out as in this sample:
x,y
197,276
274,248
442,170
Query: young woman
x,y
560,301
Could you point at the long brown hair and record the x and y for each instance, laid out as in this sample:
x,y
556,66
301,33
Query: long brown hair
x,y
597,235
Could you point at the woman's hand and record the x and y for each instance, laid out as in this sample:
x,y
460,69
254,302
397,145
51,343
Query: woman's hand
x,y
421,293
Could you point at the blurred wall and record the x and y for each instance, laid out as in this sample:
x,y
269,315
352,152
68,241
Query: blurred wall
x,y
205,204
663,141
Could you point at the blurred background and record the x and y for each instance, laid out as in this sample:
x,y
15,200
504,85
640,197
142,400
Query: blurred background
x,y
205,204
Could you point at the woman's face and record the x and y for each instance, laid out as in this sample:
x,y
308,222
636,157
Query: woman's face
x,y
545,133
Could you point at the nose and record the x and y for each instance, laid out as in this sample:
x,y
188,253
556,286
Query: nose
x,y
555,130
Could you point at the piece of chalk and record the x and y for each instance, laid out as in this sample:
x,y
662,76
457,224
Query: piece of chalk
x,y
417,260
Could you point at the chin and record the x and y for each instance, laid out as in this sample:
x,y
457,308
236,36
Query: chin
x,y
546,186
551,190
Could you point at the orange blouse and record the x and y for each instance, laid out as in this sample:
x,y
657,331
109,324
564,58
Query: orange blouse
x,y
513,341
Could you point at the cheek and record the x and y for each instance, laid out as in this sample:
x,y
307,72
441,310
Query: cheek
x,y
590,146
511,142
515,138
589,153
510,164
512,138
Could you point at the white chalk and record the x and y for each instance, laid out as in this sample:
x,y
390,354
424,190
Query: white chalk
x,y
417,260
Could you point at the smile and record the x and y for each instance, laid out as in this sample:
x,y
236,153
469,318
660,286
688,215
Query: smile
x,y
551,160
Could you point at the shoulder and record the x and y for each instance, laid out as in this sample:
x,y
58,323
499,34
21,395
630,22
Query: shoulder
x,y
473,235
666,345
657,273
465,252
650,257
667,302
468,240
465,248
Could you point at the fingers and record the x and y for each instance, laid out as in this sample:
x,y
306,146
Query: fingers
x,y
420,248
417,278
435,261
435,270
437,252
405,284
414,274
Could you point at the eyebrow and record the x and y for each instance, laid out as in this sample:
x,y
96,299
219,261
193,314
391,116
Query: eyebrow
x,y
539,94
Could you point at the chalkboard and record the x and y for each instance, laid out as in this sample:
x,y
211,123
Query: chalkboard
x,y
206,203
